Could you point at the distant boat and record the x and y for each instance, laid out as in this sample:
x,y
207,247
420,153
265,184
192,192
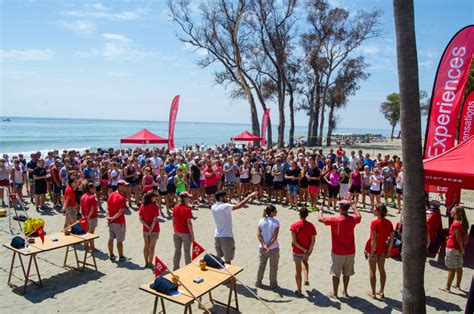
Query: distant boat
x,y
7,120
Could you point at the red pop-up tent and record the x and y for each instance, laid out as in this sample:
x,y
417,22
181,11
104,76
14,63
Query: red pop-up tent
x,y
247,137
453,168
144,137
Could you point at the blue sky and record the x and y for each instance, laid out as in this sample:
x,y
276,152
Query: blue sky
x,y
122,60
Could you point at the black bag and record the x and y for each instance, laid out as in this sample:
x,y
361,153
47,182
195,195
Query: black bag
x,y
20,218
77,229
212,262
18,242
164,286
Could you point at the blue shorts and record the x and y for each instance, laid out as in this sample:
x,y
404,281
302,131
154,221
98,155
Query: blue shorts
x,y
292,189
193,185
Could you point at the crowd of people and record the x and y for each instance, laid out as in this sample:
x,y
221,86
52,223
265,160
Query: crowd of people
x,y
154,180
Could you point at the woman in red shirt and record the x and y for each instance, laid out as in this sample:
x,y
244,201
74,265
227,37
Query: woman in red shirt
x,y
378,248
148,213
303,235
455,245
183,229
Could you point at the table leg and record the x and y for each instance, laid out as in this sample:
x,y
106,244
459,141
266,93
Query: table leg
x,y
154,305
22,265
27,274
163,305
37,271
85,257
65,256
11,268
77,258
234,283
188,309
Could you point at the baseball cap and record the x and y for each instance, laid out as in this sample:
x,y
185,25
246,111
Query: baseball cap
x,y
122,182
185,194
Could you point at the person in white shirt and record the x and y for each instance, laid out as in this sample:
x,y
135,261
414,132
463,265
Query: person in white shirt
x,y
222,212
267,233
353,160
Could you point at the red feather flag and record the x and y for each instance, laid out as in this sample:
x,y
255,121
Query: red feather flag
x,y
40,232
197,249
159,266
83,223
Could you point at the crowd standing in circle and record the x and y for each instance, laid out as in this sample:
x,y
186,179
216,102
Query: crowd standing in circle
x,y
304,180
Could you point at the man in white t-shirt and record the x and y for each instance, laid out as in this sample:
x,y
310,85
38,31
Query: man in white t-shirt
x,y
222,212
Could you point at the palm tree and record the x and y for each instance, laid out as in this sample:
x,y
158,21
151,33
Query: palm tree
x,y
414,228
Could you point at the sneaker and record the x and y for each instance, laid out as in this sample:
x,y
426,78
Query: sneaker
x,y
124,259
258,284
298,294
274,286
113,257
37,209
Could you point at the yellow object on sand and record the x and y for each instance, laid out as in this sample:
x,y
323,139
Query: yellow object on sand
x,y
31,224
3,212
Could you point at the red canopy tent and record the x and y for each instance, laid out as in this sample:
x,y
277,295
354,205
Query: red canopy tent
x,y
144,137
453,168
247,137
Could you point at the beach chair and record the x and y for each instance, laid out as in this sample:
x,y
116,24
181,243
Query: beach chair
x,y
14,207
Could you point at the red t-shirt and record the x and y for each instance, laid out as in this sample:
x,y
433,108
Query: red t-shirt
x,y
115,202
55,175
212,180
181,214
342,233
88,204
384,228
69,192
148,212
435,224
304,231
452,243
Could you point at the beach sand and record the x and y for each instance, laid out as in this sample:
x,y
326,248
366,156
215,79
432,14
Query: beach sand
x,y
114,287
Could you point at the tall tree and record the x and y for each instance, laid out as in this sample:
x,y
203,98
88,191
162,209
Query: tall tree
x,y
345,85
220,35
332,37
391,110
414,217
274,24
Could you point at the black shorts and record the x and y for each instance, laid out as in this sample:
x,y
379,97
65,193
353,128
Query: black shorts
x,y
375,192
162,193
40,188
354,189
171,188
245,180
56,189
211,190
333,191
400,191
278,185
98,188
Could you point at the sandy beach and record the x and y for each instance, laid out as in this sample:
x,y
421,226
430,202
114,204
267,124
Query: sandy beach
x,y
114,287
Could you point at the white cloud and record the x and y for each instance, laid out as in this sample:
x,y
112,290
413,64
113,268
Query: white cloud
x,y
118,51
81,27
97,6
116,37
118,74
101,14
27,54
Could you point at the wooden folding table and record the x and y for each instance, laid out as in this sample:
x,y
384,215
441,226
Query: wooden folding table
x,y
51,242
212,278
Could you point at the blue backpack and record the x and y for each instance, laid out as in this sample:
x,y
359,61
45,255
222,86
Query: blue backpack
x,y
18,242
164,286
213,261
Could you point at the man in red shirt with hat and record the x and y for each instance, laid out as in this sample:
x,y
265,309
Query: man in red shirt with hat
x,y
343,244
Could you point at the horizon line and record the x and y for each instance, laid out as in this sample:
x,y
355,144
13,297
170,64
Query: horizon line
x,y
135,120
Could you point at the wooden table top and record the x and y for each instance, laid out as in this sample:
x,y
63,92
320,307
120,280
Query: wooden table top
x,y
212,279
49,244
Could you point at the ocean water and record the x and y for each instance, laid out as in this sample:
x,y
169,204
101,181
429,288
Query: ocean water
x,y
25,135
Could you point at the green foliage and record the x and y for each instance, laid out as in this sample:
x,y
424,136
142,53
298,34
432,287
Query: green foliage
x,y
391,109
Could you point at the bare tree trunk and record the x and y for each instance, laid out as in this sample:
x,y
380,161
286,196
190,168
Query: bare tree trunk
x,y
313,128
292,120
393,131
322,103
330,123
281,113
414,217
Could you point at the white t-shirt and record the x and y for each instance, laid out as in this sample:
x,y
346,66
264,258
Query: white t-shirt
x,y
268,225
156,162
222,213
400,181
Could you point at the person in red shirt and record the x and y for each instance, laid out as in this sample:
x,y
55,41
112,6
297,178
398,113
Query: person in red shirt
x,y
116,205
343,244
149,213
69,202
303,235
183,229
55,184
90,209
434,226
377,249
453,198
455,246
